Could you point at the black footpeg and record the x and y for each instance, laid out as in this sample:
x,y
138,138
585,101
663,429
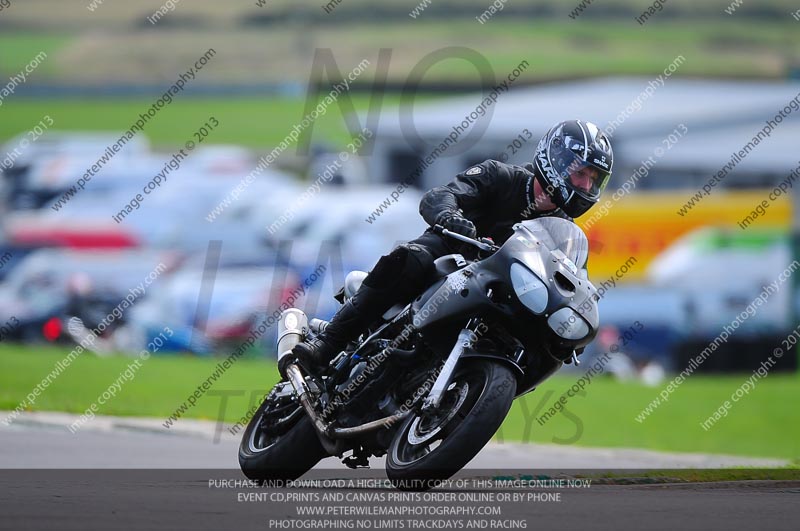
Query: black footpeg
x,y
357,460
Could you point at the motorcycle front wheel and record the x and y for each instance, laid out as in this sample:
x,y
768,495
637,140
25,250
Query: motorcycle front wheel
x,y
430,447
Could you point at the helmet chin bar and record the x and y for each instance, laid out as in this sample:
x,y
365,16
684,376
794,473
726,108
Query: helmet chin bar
x,y
577,206
570,202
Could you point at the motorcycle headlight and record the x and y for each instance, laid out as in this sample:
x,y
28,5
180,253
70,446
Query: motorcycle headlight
x,y
568,324
530,290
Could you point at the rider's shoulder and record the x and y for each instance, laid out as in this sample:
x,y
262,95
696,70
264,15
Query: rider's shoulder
x,y
494,169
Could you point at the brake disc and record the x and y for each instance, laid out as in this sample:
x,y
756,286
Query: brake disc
x,y
418,433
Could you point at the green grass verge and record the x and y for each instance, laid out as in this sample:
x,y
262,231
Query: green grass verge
x,y
159,387
790,473
667,476
765,423
256,122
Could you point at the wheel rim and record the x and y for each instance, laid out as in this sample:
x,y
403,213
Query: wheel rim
x,y
261,439
424,433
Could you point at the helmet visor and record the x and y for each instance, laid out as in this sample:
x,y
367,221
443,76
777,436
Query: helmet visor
x,y
581,176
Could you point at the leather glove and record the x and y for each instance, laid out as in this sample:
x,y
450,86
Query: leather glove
x,y
460,225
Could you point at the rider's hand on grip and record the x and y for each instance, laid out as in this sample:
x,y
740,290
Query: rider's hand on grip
x,y
459,225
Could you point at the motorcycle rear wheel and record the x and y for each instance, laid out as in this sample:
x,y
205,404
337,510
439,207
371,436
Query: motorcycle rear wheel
x,y
285,455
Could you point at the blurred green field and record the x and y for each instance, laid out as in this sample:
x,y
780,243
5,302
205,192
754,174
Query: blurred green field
x,y
766,423
257,123
563,48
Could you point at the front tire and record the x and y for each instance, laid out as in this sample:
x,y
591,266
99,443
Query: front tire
x,y
283,453
427,449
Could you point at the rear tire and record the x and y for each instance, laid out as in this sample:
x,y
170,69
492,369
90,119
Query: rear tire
x,y
415,461
283,456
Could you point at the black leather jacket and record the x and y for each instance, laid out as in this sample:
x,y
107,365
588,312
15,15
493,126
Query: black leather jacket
x,y
493,195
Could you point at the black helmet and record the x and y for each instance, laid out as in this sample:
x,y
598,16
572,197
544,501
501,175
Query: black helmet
x,y
573,163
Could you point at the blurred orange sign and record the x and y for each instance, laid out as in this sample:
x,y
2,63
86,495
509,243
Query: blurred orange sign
x,y
642,225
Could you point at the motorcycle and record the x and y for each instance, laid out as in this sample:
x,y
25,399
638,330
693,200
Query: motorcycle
x,y
430,382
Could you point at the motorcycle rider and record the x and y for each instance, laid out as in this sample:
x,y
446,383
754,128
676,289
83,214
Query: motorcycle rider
x,y
571,167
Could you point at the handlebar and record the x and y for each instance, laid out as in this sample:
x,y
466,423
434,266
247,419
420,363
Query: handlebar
x,y
482,243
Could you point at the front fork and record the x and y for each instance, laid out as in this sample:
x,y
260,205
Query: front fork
x,y
443,380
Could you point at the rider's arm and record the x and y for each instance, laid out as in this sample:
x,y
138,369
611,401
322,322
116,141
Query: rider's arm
x,y
469,191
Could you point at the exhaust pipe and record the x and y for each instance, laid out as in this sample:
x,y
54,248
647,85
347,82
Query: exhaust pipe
x,y
292,329
303,394
385,422
293,326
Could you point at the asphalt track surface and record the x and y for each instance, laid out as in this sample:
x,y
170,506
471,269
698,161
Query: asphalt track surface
x,y
186,480
41,440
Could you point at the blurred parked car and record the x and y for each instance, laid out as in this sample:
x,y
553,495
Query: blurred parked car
x,y
38,292
215,317
333,224
48,167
